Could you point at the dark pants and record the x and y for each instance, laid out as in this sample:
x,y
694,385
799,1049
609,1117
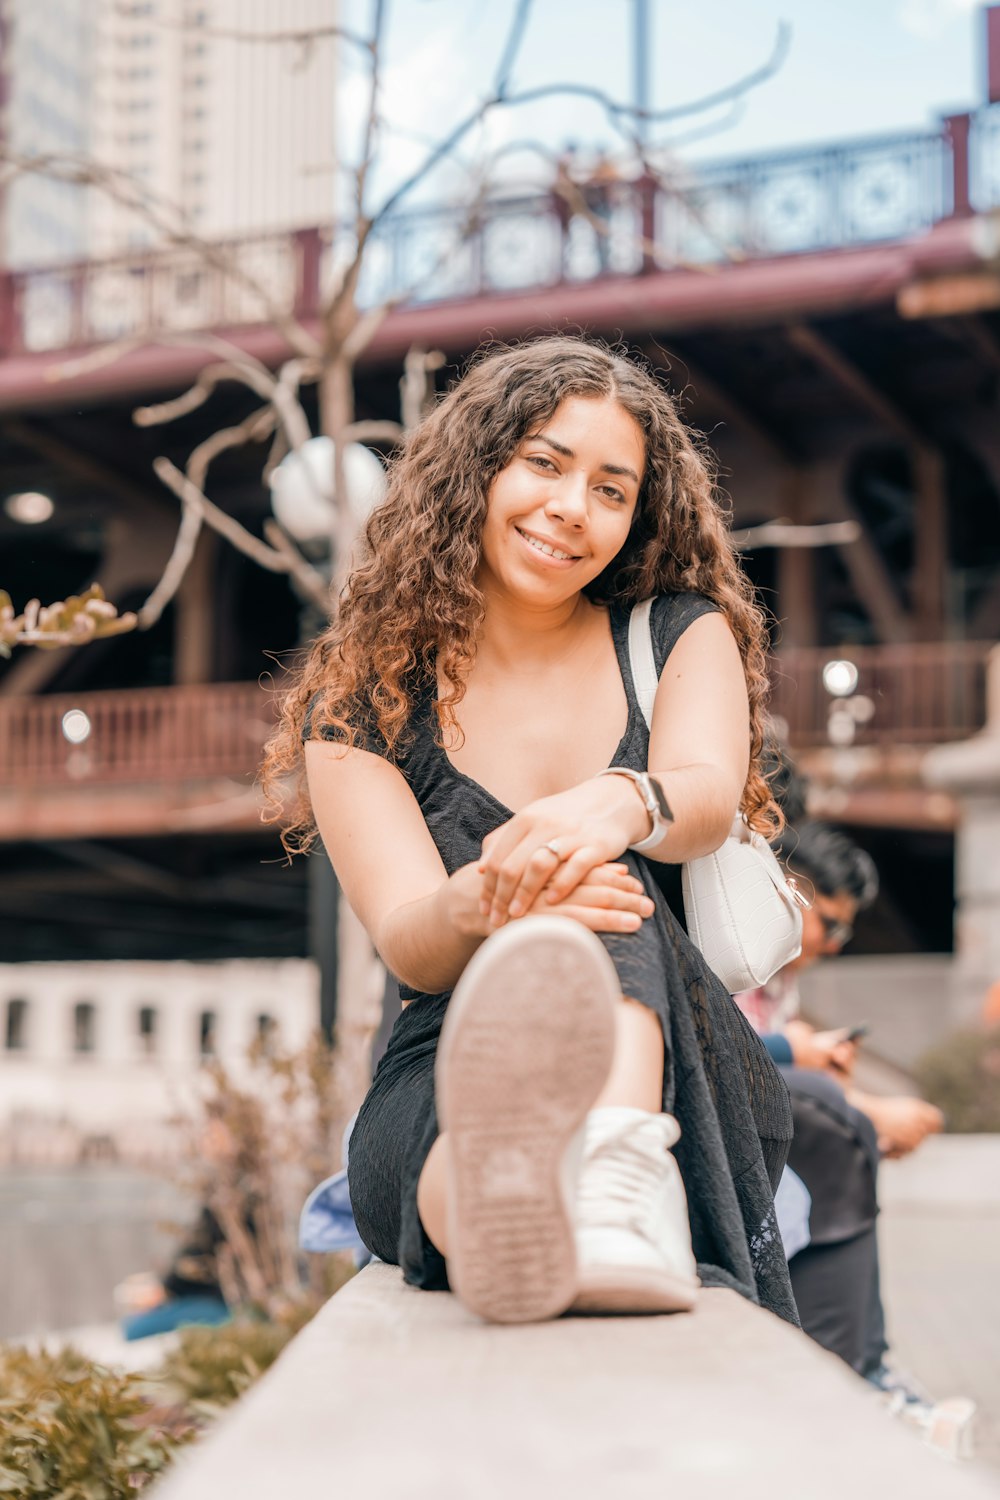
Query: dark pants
x,y
837,1294
836,1278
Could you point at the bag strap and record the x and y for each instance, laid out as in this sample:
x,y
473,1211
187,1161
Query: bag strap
x,y
641,658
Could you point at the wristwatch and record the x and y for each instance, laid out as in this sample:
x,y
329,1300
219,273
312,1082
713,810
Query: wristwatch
x,y
654,801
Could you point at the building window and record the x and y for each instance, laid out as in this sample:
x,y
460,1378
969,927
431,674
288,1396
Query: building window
x,y
147,1030
84,1027
16,1035
267,1033
207,1034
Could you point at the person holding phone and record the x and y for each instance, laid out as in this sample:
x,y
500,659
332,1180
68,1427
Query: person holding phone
x,y
840,1133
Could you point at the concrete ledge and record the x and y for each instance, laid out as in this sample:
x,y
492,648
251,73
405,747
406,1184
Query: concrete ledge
x,y
395,1394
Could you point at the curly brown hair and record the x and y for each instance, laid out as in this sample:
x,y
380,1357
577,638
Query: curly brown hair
x,y
411,607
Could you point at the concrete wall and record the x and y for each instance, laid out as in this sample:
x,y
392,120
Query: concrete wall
x,y
906,1000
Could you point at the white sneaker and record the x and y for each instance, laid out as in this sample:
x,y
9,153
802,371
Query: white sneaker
x,y
526,1045
633,1239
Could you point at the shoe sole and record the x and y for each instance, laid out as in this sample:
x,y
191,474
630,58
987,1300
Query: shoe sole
x,y
631,1289
526,1046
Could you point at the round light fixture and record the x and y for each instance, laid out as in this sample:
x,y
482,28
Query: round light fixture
x,y
302,487
75,726
840,678
30,507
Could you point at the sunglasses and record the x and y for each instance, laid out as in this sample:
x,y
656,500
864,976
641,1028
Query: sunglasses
x,y
835,931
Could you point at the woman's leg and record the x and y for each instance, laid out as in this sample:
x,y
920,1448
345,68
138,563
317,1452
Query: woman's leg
x,y
635,1081
636,1076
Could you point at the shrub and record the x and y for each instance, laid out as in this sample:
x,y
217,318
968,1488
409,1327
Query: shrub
x,y
961,1075
211,1367
72,1429
258,1142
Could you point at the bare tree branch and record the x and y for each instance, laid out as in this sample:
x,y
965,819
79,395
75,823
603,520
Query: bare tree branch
x,y
508,58
616,111
167,219
788,534
613,107
309,579
372,117
304,38
244,541
69,622
373,432
414,386
254,429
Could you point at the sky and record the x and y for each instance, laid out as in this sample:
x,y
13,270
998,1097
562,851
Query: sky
x,y
854,68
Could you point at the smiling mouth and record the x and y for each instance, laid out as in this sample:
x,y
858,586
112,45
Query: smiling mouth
x,y
546,547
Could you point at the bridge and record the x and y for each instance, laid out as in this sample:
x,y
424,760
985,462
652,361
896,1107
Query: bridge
x,y
784,221
163,760
829,318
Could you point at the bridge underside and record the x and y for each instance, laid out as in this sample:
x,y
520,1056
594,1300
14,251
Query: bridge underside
x,y
822,399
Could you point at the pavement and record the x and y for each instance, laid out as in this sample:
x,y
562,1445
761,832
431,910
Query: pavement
x,y
939,1234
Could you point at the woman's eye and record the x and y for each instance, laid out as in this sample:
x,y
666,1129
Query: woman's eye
x,y
613,494
537,458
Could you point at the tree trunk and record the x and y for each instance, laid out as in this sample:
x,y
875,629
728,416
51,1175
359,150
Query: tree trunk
x,y
360,975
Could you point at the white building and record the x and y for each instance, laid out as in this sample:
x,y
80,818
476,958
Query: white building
x,y
110,1052
233,134
46,67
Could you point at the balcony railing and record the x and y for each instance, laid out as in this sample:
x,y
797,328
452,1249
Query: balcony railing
x,y
913,695
920,694
859,193
142,735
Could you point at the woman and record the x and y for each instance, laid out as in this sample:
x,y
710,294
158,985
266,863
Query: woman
x,y
474,751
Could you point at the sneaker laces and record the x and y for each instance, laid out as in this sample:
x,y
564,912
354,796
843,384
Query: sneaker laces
x,y
622,1173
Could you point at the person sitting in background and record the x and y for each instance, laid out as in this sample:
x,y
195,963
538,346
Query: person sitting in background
x,y
839,1132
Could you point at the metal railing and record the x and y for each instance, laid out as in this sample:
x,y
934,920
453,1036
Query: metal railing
x,y
134,735
913,694
791,202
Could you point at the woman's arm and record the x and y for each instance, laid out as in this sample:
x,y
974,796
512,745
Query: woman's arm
x,y
699,744
425,925
699,750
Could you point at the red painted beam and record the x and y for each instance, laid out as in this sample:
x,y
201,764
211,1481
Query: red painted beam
x,y
757,292
992,16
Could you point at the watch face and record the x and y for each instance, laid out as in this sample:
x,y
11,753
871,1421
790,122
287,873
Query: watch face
x,y
661,800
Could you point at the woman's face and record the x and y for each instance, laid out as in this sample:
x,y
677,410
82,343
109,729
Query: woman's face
x,y
562,508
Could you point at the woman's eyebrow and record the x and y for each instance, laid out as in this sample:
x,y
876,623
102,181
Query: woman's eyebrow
x,y
568,453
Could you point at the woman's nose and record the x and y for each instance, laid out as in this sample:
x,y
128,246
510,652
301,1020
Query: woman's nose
x,y
568,500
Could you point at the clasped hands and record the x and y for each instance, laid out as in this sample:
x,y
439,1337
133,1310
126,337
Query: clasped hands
x,y
560,856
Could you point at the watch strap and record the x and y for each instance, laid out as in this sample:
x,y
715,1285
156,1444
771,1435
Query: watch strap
x,y
643,785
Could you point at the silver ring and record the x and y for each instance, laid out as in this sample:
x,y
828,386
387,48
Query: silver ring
x,y
553,850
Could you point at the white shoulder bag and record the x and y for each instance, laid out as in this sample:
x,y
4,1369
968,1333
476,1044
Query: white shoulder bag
x,y
741,911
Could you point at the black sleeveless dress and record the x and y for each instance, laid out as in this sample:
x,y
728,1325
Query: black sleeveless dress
x,y
719,1081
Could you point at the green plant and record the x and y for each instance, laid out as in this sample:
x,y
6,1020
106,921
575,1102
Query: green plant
x,y
211,1367
961,1075
72,1430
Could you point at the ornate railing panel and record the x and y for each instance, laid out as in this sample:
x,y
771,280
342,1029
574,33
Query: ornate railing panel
x,y
138,735
792,202
913,694
920,694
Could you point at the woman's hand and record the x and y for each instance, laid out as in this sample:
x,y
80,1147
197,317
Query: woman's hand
x,y
556,842
608,899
